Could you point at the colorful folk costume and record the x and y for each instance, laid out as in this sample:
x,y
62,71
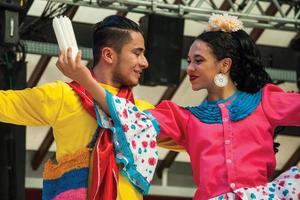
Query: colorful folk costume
x,y
230,143
57,105
110,146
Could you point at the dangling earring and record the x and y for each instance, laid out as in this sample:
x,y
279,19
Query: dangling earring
x,y
221,80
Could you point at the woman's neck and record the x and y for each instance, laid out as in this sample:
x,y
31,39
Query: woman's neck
x,y
218,93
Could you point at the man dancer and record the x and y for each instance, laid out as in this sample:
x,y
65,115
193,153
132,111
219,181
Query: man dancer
x,y
118,50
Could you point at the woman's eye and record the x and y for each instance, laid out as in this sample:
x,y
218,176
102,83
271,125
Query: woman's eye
x,y
188,61
198,61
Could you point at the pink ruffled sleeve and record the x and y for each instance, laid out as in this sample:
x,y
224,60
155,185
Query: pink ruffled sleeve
x,y
172,120
281,108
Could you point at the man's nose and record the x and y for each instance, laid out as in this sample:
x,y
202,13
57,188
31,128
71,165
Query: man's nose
x,y
144,62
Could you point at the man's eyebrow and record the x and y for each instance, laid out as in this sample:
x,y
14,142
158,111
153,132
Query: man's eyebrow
x,y
139,49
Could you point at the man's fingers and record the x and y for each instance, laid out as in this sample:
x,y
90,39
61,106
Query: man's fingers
x,y
61,55
61,61
59,67
78,57
69,57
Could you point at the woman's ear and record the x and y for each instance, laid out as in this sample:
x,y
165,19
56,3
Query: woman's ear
x,y
107,54
226,65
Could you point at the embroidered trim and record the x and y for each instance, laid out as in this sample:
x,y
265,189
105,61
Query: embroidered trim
x,y
77,160
80,193
75,179
241,106
68,176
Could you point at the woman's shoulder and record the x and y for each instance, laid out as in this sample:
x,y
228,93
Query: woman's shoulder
x,y
167,104
269,88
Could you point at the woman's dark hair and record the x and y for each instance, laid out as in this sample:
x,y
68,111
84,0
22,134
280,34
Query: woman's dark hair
x,y
114,32
247,70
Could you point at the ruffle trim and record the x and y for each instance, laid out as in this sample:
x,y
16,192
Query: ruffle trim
x,y
134,136
241,106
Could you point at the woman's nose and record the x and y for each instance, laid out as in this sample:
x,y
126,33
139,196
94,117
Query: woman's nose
x,y
189,68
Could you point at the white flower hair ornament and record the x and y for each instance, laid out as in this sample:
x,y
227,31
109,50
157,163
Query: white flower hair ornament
x,y
225,23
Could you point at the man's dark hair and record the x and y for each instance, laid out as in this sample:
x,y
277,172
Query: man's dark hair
x,y
113,32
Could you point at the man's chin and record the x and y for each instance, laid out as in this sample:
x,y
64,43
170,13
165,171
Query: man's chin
x,y
131,84
134,84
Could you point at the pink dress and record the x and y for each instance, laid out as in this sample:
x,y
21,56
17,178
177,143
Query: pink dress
x,y
230,143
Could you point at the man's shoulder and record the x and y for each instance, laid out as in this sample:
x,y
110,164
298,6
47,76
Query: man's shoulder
x,y
54,85
55,88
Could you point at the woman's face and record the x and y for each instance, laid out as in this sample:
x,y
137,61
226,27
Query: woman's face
x,y
203,66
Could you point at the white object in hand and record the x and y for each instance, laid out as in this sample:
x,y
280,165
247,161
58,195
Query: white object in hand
x,y
65,36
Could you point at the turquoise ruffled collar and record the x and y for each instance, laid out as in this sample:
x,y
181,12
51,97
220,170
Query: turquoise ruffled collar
x,y
242,105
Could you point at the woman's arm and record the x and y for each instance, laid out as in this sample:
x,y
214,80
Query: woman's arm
x,y
281,108
173,122
74,69
172,119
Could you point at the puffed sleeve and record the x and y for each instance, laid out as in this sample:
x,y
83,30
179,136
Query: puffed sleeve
x,y
31,106
281,108
173,121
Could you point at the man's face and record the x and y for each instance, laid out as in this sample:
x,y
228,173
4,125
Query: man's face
x,y
130,62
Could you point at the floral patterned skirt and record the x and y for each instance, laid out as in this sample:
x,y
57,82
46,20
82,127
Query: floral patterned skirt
x,y
284,187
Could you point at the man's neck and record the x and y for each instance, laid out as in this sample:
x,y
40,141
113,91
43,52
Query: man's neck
x,y
104,76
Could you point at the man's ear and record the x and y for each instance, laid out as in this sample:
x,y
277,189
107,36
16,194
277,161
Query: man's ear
x,y
108,55
226,65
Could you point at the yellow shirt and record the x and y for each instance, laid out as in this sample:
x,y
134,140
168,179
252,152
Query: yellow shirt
x,y
57,105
